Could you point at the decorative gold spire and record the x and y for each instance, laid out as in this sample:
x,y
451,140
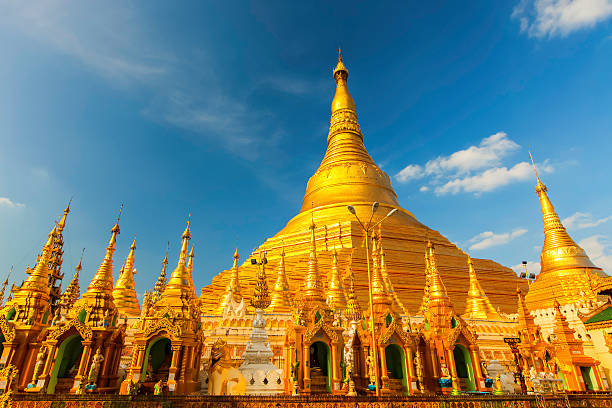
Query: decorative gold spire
x,y
353,309
335,291
559,251
342,98
160,284
124,293
56,260
99,293
379,291
235,278
439,308
190,267
4,284
179,285
73,290
347,172
526,322
477,304
281,296
102,282
33,295
425,302
261,294
313,288
397,303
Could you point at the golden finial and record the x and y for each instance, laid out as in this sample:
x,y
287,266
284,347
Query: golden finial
x,y
540,187
281,297
353,309
477,304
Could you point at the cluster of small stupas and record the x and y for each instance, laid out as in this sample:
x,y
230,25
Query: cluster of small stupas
x,y
402,312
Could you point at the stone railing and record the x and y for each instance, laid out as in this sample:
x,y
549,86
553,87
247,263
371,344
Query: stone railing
x,y
20,400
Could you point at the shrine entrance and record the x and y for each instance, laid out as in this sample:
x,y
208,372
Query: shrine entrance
x,y
463,364
157,360
587,377
396,369
66,365
320,368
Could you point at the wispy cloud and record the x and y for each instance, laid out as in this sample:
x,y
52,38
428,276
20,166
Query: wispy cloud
x,y
187,91
8,203
489,239
581,220
477,169
599,249
541,18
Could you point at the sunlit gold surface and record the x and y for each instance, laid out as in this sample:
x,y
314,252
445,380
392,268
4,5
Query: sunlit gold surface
x,y
478,305
348,175
336,298
124,293
565,267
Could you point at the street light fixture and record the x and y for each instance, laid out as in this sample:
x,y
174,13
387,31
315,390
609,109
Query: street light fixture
x,y
367,229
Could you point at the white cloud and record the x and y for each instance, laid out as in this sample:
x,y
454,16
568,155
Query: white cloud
x,y
488,153
540,18
581,220
410,172
477,169
488,180
599,249
8,203
532,267
489,239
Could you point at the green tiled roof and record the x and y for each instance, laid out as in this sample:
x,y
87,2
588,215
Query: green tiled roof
x,y
602,316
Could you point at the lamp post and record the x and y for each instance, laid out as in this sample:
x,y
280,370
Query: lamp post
x,y
367,228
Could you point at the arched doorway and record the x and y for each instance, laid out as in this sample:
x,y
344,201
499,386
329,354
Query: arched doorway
x,y
463,364
396,369
157,360
320,368
66,365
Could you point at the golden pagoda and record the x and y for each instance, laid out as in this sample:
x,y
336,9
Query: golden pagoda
x,y
336,298
478,305
26,315
281,295
124,293
168,343
565,269
81,352
348,175
73,290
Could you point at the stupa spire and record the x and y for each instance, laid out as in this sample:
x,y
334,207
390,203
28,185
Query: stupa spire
x,y
313,288
397,303
235,278
4,284
347,172
160,284
353,309
102,282
556,237
179,284
477,304
33,295
439,307
281,296
190,267
73,291
425,301
124,293
379,291
335,291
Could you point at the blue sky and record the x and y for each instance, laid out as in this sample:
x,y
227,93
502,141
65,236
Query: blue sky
x,y
221,110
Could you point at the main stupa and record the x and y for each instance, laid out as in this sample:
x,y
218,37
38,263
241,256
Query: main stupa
x,y
348,175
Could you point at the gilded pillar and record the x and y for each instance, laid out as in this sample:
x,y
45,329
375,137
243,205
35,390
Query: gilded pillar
x,y
478,377
306,368
600,384
410,370
384,377
450,361
335,355
172,372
